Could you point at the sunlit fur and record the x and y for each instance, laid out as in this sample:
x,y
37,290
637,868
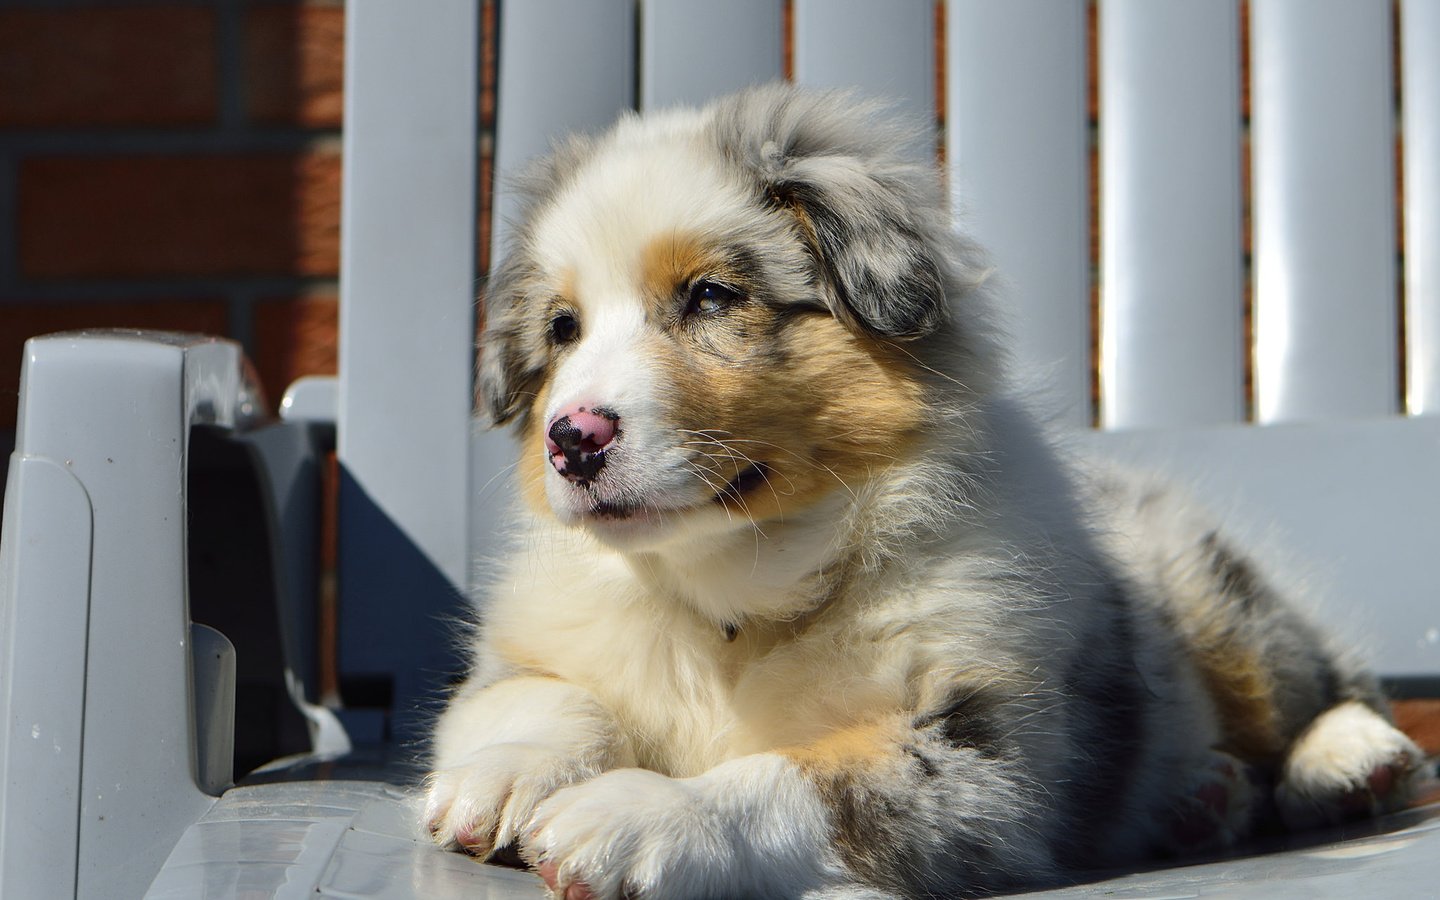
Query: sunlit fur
x,y
833,617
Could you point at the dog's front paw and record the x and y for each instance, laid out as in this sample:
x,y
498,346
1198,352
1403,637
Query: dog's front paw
x,y
629,833
483,805
1350,762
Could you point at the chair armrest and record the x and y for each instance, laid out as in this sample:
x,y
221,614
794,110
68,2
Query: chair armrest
x,y
116,710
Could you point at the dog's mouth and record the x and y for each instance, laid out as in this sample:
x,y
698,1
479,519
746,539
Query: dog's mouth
x,y
606,510
734,491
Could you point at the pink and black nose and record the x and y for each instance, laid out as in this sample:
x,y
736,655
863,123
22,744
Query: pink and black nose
x,y
578,440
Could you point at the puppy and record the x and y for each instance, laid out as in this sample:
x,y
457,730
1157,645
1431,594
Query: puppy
x,y
801,601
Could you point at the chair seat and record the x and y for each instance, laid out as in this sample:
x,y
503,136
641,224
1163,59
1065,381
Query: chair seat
x,y
353,832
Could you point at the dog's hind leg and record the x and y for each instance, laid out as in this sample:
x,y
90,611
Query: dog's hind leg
x,y
1350,762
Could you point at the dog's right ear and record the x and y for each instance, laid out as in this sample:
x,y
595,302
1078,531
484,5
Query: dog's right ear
x,y
511,360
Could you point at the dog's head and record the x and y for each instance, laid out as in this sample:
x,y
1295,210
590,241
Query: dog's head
x,y
718,317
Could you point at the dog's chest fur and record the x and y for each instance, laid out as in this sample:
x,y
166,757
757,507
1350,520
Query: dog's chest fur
x,y
651,639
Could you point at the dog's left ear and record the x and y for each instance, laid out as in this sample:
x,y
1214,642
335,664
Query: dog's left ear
x,y
870,229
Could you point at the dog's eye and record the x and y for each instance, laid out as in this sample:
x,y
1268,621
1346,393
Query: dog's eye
x,y
708,298
564,328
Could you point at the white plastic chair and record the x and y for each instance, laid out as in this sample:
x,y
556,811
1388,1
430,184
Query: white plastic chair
x,y
113,745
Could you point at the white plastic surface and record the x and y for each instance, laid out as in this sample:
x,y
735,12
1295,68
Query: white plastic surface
x,y
350,839
314,840
692,50
1323,172
314,398
113,412
44,604
1420,94
1171,292
886,49
407,330
570,67
1016,153
407,275
213,664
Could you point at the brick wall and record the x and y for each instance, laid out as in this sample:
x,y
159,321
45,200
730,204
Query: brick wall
x,y
172,165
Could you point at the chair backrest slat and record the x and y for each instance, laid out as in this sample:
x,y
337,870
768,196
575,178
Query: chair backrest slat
x,y
1323,149
406,337
692,50
1017,159
408,263
1420,93
1171,297
885,49
565,65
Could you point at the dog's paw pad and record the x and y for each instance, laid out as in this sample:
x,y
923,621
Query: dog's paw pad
x,y
549,872
1214,810
1349,764
476,838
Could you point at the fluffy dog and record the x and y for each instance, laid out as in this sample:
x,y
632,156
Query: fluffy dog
x,y
801,601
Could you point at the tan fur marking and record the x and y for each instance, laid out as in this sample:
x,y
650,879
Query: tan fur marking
x,y
838,407
846,750
671,261
856,771
530,468
1243,691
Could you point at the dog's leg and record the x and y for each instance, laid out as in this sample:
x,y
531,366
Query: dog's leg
x,y
1350,762
500,751
889,809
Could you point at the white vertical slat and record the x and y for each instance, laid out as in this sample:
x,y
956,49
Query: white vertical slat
x,y
1420,90
886,49
407,276
692,50
1171,279
1016,131
565,66
1322,131
408,266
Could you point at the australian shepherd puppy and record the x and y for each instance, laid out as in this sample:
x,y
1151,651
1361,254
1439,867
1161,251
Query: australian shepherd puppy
x,y
801,602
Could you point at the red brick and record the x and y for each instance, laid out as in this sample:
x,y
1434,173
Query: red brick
x,y
18,322
265,214
152,65
293,337
295,65
1421,720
